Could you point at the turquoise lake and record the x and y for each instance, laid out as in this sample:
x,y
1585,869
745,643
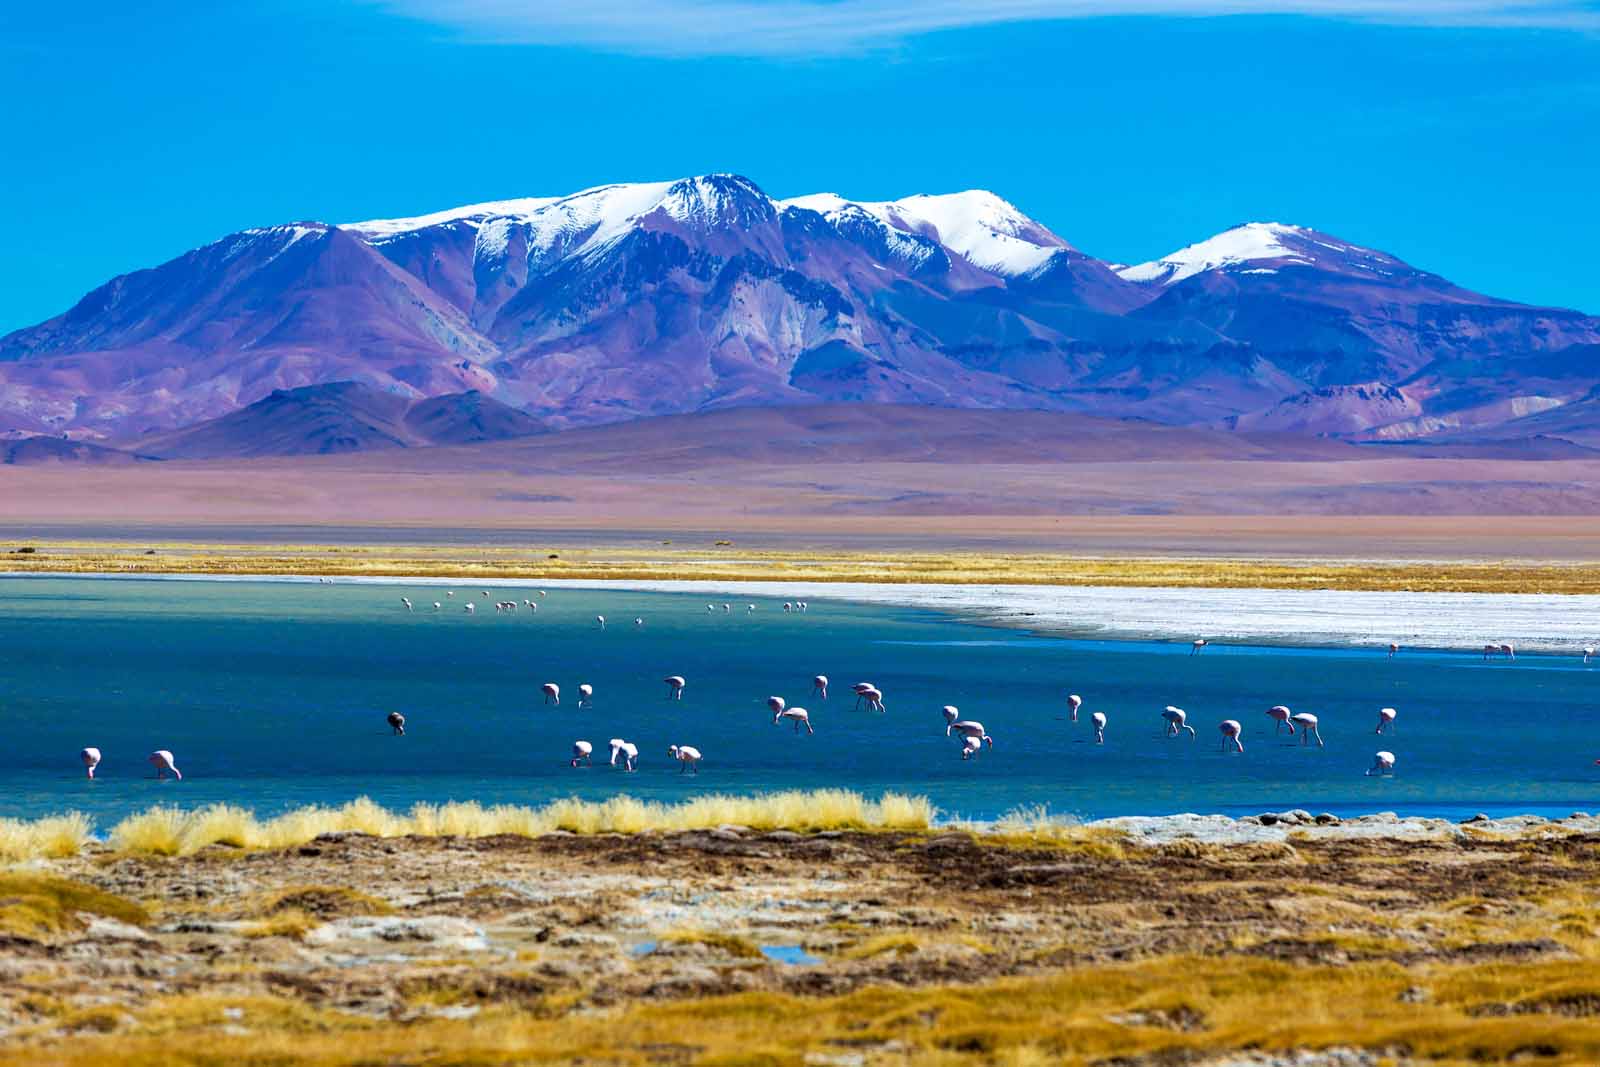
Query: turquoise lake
x,y
273,695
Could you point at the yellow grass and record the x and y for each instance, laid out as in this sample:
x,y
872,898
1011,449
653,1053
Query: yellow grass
x,y
50,838
729,562
34,906
1070,1018
171,831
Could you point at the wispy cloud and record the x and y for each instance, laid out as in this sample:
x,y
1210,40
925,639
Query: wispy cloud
x,y
828,27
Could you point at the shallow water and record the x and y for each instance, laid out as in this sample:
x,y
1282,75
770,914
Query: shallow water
x,y
273,695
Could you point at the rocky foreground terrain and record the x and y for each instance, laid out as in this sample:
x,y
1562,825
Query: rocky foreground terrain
x,y
1280,940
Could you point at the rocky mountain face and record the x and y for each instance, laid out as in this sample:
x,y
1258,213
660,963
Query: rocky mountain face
x,y
673,297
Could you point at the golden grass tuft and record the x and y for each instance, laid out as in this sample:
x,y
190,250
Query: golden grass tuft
x,y
1033,826
34,906
55,837
727,944
171,831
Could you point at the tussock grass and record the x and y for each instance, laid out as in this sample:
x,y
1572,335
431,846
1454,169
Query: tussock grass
x,y
34,906
1033,826
169,831
727,944
55,837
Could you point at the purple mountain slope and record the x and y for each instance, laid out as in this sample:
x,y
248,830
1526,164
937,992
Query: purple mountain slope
x,y
704,293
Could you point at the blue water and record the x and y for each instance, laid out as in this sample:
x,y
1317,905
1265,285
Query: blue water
x,y
273,695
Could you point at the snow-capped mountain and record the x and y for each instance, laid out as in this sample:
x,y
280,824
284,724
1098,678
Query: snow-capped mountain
x,y
662,297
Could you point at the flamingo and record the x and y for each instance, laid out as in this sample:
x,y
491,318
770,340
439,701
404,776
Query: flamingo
x,y
970,747
450,594
582,750
397,722
1509,650
787,607
1196,645
711,607
873,697
1074,702
91,760
601,619
638,622
543,594
726,608
775,704
626,750
162,761
1280,715
819,686
749,608
1177,721
951,714
675,684
1393,648
552,693
585,695
406,601
687,755
471,609
970,729
1385,720
1230,730
799,716
437,606
1308,727
1382,763
1588,654
532,606
1099,720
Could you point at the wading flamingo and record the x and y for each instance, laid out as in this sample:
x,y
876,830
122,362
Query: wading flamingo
x,y
1382,763
1385,719
581,751
873,697
1588,654
970,747
951,713
1177,721
552,693
675,684
819,686
969,729
1308,727
776,704
1196,645
161,759
1230,730
397,722
1280,714
406,601
585,695
471,609
687,755
437,606
799,716
601,619
1074,702
91,760
638,622
625,751
1099,720
450,594
1393,648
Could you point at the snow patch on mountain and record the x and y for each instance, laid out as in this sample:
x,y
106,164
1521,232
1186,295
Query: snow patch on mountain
x,y
378,230
1254,242
977,225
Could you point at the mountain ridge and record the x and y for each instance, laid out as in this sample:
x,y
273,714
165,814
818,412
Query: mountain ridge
x,y
638,299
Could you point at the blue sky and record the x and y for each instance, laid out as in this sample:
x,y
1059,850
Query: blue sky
x,y
1461,135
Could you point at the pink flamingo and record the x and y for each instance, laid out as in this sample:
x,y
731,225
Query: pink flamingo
x,y
970,747
601,619
162,761
799,716
585,695
775,704
581,751
1385,719
1074,702
819,686
1196,645
1230,730
1177,721
1382,763
1308,727
1099,720
91,760
1280,715
1588,654
624,750
397,722
687,755
675,684
1393,648
971,730
552,693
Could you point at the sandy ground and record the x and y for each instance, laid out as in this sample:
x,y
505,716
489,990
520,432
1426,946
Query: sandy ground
x,y
1176,945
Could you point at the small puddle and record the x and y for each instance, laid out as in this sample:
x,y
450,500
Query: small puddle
x,y
791,954
641,948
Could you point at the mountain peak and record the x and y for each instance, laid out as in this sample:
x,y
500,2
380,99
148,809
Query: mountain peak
x,y
1261,248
